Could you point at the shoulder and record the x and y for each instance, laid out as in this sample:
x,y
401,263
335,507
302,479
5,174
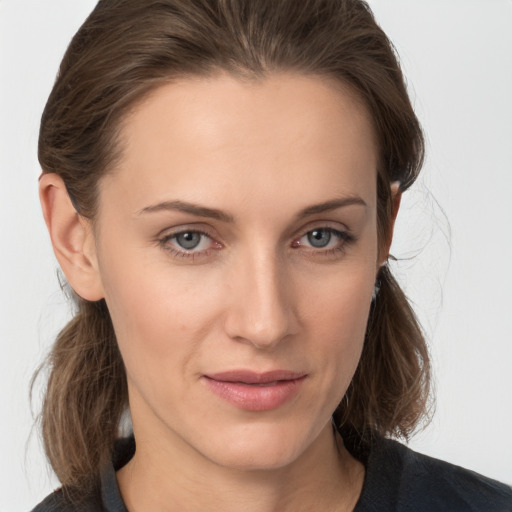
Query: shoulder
x,y
401,479
58,501
52,503
104,496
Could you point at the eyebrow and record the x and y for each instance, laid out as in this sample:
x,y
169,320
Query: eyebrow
x,y
193,209
212,213
333,204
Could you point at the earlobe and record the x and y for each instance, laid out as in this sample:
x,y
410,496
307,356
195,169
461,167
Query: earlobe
x,y
72,238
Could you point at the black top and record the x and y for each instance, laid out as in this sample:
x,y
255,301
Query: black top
x,y
397,480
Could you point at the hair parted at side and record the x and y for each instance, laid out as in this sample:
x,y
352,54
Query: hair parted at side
x,y
123,51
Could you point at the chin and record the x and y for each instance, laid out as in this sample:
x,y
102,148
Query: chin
x,y
256,458
259,447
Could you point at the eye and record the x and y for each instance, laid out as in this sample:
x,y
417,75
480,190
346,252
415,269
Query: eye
x,y
189,240
189,243
319,238
325,239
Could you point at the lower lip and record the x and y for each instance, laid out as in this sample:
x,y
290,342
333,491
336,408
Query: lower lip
x,y
254,397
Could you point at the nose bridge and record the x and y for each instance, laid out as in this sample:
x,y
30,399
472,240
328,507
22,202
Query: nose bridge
x,y
260,311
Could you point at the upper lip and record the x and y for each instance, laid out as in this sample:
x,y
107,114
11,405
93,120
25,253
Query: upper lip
x,y
252,377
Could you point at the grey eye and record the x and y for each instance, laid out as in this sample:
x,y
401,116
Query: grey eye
x,y
319,238
188,240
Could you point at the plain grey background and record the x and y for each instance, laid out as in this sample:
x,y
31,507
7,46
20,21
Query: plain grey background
x,y
455,266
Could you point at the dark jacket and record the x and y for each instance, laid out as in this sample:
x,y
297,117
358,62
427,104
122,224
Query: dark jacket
x,y
397,480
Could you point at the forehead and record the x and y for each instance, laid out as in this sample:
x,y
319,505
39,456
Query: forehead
x,y
305,135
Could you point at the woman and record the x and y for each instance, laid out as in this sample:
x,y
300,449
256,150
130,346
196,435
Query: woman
x,y
220,182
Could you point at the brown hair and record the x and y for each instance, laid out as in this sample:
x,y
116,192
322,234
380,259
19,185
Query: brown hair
x,y
123,51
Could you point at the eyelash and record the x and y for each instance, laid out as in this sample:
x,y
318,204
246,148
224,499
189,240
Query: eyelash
x,y
183,253
345,238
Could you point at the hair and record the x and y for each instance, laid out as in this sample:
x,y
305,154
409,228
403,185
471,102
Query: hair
x,y
126,49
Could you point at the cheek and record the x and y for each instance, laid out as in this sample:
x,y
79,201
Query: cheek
x,y
340,333
340,300
154,314
337,315
159,316
160,324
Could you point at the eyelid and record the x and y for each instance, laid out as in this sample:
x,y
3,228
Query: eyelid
x,y
345,239
196,227
166,235
344,235
335,228
321,224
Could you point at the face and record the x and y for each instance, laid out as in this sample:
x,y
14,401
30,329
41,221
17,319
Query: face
x,y
237,249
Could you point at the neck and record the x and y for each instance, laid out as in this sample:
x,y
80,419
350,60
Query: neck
x,y
325,477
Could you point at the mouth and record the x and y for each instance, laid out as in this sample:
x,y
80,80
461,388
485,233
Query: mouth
x,y
253,391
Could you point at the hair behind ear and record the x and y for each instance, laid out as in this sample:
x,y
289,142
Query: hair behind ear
x,y
85,397
390,391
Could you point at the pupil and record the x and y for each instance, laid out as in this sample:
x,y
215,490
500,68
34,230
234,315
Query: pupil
x,y
188,240
319,238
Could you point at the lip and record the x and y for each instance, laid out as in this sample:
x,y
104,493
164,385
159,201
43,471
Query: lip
x,y
253,391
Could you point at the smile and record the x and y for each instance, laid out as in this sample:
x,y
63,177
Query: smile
x,y
255,392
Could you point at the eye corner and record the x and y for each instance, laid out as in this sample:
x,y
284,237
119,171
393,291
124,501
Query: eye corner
x,y
188,243
331,240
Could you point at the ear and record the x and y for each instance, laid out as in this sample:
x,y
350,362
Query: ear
x,y
396,197
72,238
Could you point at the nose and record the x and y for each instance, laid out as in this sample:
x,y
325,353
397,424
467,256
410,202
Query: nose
x,y
260,309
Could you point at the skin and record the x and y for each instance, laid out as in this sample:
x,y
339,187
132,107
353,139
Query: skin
x,y
254,294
